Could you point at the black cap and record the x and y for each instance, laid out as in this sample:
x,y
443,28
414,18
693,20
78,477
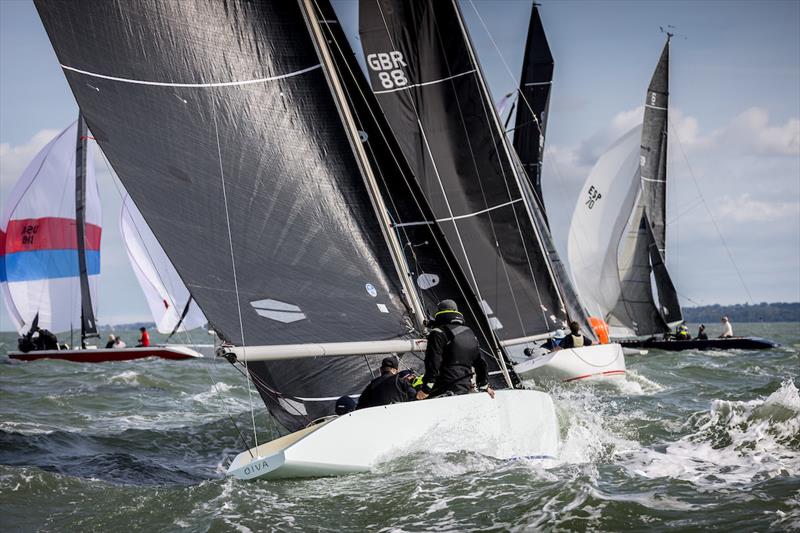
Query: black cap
x,y
447,305
344,405
389,362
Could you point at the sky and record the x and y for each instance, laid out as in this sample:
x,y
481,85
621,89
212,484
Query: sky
x,y
734,154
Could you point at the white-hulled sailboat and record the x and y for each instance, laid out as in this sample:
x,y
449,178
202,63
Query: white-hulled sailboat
x,y
280,203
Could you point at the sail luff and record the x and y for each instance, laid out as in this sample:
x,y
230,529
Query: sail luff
x,y
88,323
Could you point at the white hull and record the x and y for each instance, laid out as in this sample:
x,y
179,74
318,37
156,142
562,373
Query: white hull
x,y
596,362
516,424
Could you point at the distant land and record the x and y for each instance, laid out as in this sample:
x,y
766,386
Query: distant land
x,y
763,312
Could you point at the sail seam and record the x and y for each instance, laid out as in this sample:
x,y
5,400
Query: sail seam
x,y
651,179
458,217
422,84
193,85
656,107
535,83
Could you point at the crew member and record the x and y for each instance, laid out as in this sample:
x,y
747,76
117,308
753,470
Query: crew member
x,y
701,333
344,405
682,333
727,328
554,343
111,340
452,353
144,340
575,339
387,388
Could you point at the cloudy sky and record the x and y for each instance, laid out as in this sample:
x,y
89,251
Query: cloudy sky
x,y
734,161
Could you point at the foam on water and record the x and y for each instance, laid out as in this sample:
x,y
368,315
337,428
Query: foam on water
x,y
733,443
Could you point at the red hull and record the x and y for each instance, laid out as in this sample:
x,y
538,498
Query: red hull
x,y
106,355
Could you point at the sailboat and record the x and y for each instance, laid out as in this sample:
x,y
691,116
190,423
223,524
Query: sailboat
x,y
426,77
617,238
264,198
51,252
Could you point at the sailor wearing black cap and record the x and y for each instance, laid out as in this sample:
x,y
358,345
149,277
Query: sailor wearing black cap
x,y
387,388
452,353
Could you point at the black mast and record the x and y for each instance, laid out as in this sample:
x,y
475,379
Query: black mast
x,y
88,324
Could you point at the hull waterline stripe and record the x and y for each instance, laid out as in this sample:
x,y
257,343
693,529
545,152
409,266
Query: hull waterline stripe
x,y
195,85
459,217
424,83
606,373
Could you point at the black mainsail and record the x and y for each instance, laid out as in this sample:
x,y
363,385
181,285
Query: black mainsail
x,y
88,323
427,80
644,248
533,103
218,119
428,257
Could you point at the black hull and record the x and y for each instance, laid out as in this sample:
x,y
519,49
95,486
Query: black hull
x,y
732,343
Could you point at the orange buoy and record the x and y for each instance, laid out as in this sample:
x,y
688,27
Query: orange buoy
x,y
600,328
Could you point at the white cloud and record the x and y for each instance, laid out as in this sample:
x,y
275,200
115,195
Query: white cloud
x,y
14,159
745,208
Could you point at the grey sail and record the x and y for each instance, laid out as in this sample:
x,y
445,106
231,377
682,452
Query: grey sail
x,y
218,119
530,122
428,257
427,81
644,248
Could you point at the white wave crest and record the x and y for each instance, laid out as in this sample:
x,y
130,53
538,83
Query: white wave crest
x,y
734,443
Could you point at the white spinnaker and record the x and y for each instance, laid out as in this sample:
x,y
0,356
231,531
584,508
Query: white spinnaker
x,y
40,270
163,288
601,214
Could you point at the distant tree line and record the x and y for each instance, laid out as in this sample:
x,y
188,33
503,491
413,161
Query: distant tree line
x,y
763,312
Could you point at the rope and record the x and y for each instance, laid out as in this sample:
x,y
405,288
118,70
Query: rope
x,y
710,214
235,280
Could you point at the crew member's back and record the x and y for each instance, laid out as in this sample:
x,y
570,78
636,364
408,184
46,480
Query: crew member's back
x,y
388,388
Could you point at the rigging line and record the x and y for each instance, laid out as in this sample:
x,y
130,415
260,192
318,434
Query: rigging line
x,y
235,280
222,401
124,198
272,393
489,337
710,214
489,116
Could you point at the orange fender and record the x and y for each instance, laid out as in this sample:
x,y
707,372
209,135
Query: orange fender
x,y
600,328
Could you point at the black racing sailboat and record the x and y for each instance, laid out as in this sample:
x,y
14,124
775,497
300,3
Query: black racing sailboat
x,y
263,195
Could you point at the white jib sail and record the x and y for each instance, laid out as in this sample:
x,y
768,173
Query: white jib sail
x,y
601,214
163,288
39,271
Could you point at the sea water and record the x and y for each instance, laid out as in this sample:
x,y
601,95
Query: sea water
x,y
691,440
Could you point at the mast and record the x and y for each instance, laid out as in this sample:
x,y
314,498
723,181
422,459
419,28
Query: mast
x,y
410,293
88,325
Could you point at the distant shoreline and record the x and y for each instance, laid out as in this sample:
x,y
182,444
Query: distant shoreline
x,y
763,312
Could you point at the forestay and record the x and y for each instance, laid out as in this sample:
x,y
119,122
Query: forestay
x,y
39,248
173,308
219,121
428,83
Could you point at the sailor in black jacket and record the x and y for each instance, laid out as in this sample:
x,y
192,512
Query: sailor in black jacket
x,y
452,352
388,388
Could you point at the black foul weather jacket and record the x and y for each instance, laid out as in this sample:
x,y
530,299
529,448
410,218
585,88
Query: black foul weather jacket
x,y
386,389
453,351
